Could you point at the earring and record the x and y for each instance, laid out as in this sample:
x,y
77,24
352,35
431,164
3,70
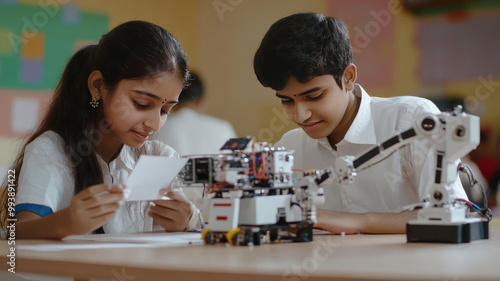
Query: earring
x,y
95,102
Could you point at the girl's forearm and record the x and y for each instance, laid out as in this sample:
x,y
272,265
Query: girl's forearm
x,y
53,226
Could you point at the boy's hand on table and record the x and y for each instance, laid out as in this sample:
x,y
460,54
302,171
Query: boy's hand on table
x,y
351,223
338,222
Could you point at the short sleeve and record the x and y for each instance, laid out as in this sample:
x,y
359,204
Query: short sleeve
x,y
45,180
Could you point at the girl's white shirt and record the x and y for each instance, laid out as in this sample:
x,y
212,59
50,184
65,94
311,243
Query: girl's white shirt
x,y
46,182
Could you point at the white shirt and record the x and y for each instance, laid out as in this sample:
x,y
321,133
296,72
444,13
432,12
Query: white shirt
x,y
190,132
46,184
402,179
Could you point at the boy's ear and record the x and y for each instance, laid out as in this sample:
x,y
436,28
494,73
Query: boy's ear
x,y
349,77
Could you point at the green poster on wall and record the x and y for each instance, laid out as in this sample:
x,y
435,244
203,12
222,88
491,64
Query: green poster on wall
x,y
36,41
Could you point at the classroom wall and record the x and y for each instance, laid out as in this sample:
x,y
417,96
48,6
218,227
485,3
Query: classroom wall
x,y
179,17
390,63
221,37
227,43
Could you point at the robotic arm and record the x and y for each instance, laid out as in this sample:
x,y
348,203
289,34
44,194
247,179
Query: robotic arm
x,y
452,135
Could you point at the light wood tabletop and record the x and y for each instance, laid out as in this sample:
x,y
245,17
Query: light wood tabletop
x,y
328,257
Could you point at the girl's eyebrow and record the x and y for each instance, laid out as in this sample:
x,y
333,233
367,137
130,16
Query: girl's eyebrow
x,y
155,97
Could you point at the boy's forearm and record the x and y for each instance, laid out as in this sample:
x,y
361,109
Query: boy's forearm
x,y
351,223
388,223
53,226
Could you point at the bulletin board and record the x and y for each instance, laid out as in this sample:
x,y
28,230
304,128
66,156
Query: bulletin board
x,y
36,41
454,49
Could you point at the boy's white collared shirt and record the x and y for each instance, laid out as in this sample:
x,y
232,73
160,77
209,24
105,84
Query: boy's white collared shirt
x,y
400,180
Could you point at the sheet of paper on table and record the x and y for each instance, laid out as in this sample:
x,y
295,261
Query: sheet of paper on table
x,y
119,240
142,237
150,175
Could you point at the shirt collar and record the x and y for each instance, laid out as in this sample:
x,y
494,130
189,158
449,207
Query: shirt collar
x,y
123,158
362,129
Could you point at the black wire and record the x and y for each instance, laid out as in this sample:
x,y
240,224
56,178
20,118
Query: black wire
x,y
473,182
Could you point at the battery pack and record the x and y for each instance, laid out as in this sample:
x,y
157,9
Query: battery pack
x,y
452,233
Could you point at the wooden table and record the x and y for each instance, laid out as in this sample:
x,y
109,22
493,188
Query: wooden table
x,y
328,257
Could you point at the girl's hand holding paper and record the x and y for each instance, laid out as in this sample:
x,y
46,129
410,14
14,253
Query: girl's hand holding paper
x,y
173,215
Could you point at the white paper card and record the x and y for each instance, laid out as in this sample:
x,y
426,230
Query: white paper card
x,y
164,238
150,175
119,240
65,246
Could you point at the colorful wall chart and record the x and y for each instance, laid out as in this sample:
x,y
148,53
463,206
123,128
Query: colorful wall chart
x,y
36,41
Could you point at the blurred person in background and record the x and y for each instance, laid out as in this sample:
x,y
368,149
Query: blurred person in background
x,y
494,184
485,156
189,130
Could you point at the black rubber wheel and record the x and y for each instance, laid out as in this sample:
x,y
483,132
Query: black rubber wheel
x,y
210,238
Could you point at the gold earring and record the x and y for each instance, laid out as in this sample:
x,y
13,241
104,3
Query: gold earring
x,y
95,102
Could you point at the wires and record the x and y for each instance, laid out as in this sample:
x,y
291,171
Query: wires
x,y
472,181
299,170
486,212
262,168
261,173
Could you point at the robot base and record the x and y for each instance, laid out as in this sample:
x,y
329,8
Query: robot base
x,y
451,233
253,235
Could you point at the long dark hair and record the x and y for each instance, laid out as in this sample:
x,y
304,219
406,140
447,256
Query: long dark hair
x,y
132,50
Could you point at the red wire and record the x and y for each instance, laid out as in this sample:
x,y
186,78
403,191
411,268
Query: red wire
x,y
253,161
259,175
262,174
466,201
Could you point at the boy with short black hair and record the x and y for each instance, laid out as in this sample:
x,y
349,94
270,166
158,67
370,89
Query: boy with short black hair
x,y
307,59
